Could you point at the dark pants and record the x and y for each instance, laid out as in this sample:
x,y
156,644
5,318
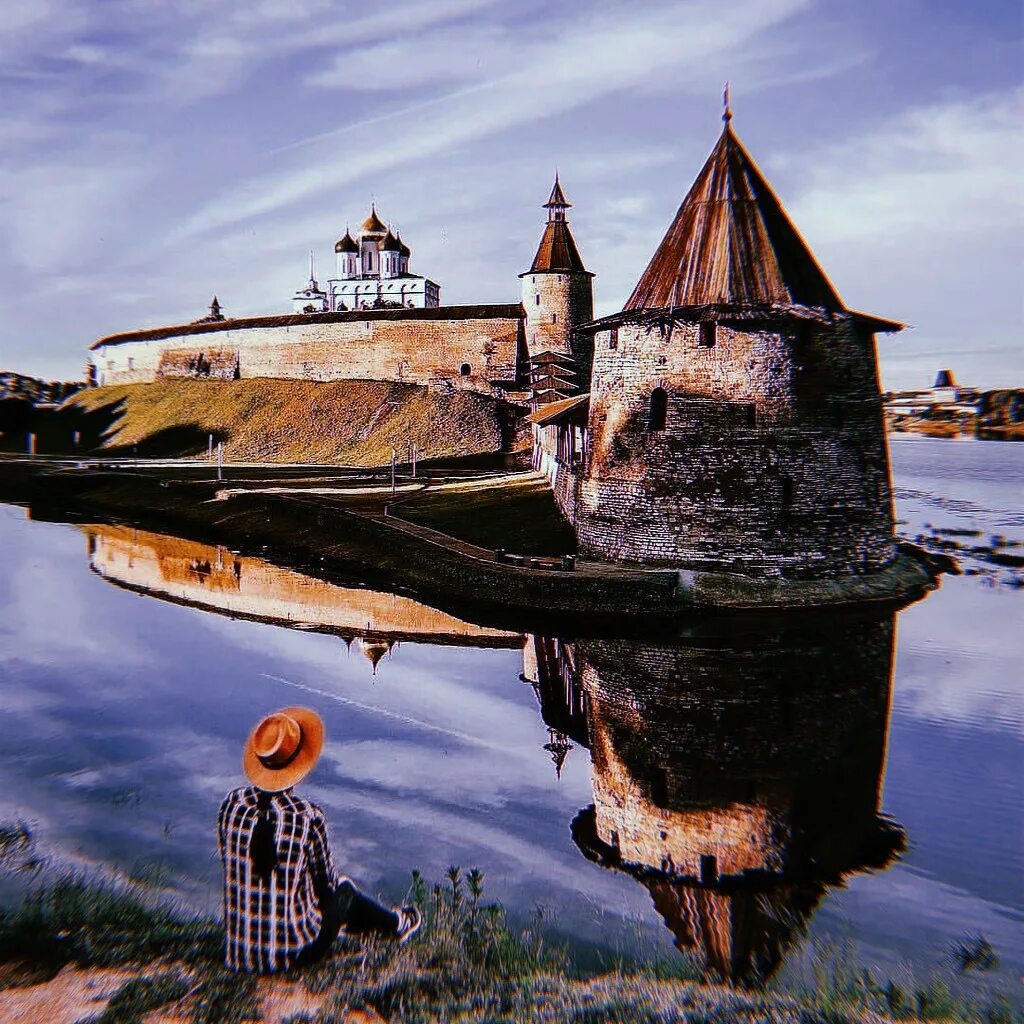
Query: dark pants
x,y
346,907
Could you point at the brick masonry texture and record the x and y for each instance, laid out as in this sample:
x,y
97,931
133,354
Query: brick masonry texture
x,y
479,353
703,748
772,459
566,302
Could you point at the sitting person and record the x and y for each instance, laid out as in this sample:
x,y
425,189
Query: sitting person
x,y
284,902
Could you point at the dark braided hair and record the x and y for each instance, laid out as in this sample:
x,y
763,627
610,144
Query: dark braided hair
x,y
263,844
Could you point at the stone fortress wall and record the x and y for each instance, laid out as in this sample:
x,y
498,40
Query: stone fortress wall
x,y
768,444
481,348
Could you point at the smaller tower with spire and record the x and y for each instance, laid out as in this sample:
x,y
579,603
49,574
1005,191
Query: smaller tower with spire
x,y
312,298
557,290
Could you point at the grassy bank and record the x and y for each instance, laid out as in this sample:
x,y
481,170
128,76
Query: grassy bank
x,y
353,423
469,963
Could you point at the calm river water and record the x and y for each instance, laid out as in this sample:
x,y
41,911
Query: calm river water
x,y
743,796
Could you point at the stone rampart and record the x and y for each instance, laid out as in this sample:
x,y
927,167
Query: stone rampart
x,y
476,347
767,455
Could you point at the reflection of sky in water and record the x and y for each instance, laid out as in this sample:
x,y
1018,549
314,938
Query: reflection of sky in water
x,y
125,718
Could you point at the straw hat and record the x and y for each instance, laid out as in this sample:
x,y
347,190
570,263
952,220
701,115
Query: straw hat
x,y
283,748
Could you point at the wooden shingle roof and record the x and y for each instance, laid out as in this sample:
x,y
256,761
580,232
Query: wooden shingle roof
x,y
557,252
731,242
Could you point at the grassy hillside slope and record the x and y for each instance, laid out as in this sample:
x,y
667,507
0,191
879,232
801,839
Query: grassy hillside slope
x,y
352,423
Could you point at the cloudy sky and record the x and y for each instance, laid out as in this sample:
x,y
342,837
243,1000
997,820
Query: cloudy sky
x,y
157,153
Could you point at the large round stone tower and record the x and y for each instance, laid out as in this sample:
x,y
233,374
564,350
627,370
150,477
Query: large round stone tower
x,y
735,414
558,293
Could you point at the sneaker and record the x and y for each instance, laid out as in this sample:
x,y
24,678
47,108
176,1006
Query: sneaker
x,y
409,921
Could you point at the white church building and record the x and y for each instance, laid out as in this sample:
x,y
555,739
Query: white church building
x,y
372,273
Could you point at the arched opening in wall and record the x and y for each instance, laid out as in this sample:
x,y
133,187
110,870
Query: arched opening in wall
x,y
659,409
464,370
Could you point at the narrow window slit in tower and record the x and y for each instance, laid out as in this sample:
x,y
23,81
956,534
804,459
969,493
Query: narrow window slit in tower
x,y
659,788
708,330
658,410
708,869
613,338
787,493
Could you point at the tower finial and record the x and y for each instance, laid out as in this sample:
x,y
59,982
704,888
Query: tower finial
x,y
726,105
312,268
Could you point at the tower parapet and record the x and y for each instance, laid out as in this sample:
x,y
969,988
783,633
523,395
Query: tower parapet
x,y
735,413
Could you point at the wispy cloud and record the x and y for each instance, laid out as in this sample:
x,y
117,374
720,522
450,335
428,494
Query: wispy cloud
x,y
156,153
608,54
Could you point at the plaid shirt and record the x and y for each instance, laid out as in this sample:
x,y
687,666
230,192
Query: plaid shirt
x,y
269,925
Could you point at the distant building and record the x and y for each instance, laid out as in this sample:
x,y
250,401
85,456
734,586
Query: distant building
x,y
372,273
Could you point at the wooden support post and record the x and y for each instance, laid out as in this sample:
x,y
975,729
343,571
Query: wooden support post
x,y
220,460
394,459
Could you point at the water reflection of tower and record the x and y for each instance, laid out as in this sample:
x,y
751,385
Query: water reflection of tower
x,y
549,666
737,778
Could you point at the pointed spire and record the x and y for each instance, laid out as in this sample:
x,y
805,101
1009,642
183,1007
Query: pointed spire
x,y
726,106
558,746
557,198
557,252
312,270
732,242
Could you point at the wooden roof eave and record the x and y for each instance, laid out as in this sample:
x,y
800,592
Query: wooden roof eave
x,y
568,410
737,314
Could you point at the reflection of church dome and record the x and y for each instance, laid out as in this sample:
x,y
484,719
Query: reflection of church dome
x,y
374,650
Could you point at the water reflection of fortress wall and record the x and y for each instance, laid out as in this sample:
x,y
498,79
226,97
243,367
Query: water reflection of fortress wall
x,y
216,578
714,752
735,776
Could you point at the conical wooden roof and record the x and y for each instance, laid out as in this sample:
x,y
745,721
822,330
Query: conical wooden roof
x,y
557,198
557,252
732,243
